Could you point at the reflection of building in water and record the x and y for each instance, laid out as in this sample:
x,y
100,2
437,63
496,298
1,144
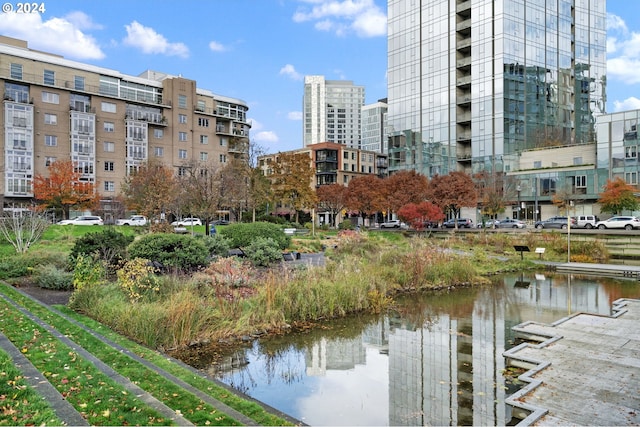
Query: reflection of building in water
x,y
344,354
340,354
449,372
446,373
564,293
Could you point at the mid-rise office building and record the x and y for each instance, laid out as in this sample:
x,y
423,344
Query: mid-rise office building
x,y
106,122
374,127
474,84
331,111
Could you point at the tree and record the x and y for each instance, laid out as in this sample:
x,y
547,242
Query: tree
x,y
150,190
492,201
366,195
291,179
618,196
22,228
405,187
417,214
64,188
200,190
452,192
333,199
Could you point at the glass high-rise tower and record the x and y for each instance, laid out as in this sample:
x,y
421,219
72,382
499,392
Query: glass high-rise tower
x,y
473,83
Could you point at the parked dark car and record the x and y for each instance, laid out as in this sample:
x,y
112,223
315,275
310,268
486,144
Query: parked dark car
x,y
462,223
559,222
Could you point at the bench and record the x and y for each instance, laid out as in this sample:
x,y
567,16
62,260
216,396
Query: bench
x,y
539,251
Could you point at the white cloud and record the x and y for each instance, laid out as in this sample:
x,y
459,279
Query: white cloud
x,y
217,47
266,136
63,36
82,21
290,71
294,115
632,103
362,17
614,22
149,41
255,125
623,52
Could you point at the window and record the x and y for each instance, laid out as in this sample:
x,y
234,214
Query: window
x,y
182,136
204,139
223,142
108,107
49,77
78,82
631,178
204,156
109,186
51,140
158,151
577,160
631,152
182,171
346,155
109,147
16,71
158,133
182,101
203,122
182,154
581,181
50,119
109,166
537,164
48,160
182,118
109,127
223,158
201,106
50,98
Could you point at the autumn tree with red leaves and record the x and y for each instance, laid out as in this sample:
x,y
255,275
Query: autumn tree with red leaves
x,y
63,189
452,192
618,196
405,187
366,195
332,198
417,214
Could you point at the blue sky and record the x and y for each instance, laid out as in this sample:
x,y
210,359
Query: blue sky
x,y
260,50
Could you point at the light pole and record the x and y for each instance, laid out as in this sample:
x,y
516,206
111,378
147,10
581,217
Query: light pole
x,y
518,189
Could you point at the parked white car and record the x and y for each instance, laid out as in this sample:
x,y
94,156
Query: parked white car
x,y
138,220
626,222
394,223
185,222
82,220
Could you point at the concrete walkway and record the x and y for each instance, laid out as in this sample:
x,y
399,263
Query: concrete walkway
x,y
584,370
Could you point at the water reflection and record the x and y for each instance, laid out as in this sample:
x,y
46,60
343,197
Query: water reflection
x,y
436,360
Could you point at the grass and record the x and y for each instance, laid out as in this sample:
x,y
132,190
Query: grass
x,y
82,383
21,404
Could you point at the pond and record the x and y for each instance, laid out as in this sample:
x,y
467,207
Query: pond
x,y
436,359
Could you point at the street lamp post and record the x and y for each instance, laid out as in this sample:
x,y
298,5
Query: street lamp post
x,y
518,189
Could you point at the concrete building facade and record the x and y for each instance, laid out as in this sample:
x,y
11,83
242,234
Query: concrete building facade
x,y
374,127
331,111
106,122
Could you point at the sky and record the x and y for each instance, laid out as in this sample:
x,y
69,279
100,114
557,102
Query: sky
x,y
260,50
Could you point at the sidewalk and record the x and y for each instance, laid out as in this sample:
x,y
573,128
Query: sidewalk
x,y
585,369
